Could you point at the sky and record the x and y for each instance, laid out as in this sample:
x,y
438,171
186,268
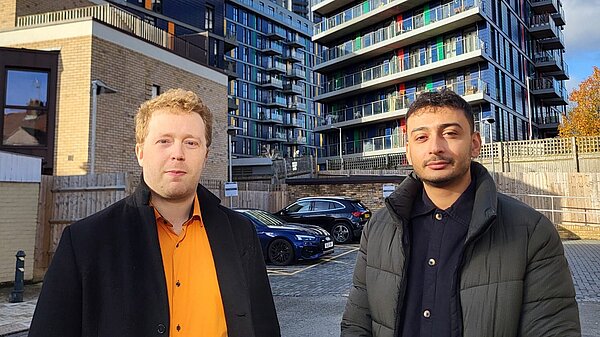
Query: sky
x,y
582,39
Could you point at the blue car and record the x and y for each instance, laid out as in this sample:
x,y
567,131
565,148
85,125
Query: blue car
x,y
285,243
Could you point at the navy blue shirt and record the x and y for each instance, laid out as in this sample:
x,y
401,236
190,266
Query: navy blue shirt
x,y
436,243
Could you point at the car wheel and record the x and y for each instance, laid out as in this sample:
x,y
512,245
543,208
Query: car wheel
x,y
281,252
341,232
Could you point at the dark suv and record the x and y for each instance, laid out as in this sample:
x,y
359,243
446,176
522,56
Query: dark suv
x,y
343,217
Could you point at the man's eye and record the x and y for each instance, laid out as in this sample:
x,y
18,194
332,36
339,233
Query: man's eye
x,y
192,143
420,138
162,141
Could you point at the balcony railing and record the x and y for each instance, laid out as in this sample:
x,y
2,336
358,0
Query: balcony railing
x,y
273,83
296,73
292,56
275,101
296,106
395,29
277,67
277,137
124,21
293,122
293,88
367,145
296,140
350,14
271,117
401,102
468,44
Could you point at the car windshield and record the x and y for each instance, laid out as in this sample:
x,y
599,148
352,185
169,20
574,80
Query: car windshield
x,y
265,218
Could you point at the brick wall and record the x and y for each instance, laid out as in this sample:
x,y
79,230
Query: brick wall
x,y
8,12
132,74
18,206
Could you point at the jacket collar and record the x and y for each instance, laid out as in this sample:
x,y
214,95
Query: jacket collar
x,y
400,202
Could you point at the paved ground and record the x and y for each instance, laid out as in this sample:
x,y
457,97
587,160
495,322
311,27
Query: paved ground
x,y
310,297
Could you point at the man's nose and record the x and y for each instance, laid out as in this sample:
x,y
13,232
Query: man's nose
x,y
437,144
177,151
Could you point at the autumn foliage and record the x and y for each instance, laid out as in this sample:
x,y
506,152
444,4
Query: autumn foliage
x,y
584,118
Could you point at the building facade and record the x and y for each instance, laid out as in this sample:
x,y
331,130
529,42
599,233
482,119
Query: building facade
x,y
504,57
73,79
272,83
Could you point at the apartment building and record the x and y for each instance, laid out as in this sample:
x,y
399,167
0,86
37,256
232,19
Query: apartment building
x,y
73,73
504,57
272,83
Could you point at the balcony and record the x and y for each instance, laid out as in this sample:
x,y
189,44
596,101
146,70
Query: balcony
x,y
293,122
276,67
295,89
559,17
276,33
549,91
551,63
271,118
542,26
296,74
276,137
230,69
474,91
294,41
544,6
230,42
275,102
359,17
296,140
296,106
549,121
272,83
124,21
272,48
464,52
557,42
409,31
324,7
232,103
293,57
369,146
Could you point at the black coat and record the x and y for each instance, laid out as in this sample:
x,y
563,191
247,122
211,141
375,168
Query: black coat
x,y
107,277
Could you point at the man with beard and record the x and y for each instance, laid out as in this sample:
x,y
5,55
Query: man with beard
x,y
168,260
449,256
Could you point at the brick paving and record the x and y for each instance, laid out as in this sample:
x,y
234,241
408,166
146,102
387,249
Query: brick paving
x,y
332,277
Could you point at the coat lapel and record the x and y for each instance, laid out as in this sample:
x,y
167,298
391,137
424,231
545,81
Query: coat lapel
x,y
226,256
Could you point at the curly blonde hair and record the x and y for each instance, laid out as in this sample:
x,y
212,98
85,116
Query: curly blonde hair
x,y
179,101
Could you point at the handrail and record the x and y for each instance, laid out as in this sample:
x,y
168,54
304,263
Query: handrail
x,y
367,145
397,65
395,29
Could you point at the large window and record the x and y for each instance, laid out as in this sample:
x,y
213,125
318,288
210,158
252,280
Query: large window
x,y
25,108
209,18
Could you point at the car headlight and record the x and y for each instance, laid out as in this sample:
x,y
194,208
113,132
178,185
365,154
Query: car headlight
x,y
305,237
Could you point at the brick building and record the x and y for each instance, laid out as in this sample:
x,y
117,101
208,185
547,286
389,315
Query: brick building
x,y
63,54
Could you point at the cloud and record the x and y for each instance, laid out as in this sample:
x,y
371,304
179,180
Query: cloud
x,y
581,30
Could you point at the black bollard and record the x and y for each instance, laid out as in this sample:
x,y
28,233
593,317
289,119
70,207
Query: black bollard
x,y
17,294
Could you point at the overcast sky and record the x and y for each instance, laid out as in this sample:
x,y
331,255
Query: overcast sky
x,y
582,38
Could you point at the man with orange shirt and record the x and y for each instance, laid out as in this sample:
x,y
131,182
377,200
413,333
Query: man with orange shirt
x,y
168,260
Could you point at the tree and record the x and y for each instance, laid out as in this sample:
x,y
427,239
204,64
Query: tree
x,y
584,118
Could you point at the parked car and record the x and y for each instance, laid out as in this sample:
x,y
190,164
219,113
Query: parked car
x,y
343,217
284,243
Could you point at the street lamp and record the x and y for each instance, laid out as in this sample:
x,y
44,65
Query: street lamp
x,y
98,88
489,121
231,131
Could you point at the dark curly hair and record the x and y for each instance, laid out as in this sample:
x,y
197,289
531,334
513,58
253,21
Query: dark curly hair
x,y
439,99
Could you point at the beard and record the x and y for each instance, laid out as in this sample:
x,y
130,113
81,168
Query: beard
x,y
444,179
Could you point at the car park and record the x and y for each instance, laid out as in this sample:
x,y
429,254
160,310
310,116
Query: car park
x,y
284,243
343,217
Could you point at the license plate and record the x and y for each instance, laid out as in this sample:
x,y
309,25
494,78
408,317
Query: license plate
x,y
328,245
367,215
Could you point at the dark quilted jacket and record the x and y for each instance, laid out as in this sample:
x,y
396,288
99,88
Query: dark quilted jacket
x,y
514,279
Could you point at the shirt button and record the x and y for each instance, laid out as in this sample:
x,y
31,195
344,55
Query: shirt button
x,y
178,283
178,327
426,313
438,216
161,329
177,246
431,262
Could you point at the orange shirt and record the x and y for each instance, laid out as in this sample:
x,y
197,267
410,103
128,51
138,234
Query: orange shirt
x,y
195,304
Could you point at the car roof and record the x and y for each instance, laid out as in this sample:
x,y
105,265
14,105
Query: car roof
x,y
331,198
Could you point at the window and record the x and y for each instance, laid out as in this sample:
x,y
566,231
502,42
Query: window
x,y
26,108
299,207
321,206
209,18
155,91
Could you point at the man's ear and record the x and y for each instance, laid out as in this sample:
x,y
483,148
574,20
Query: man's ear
x,y
475,144
139,153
